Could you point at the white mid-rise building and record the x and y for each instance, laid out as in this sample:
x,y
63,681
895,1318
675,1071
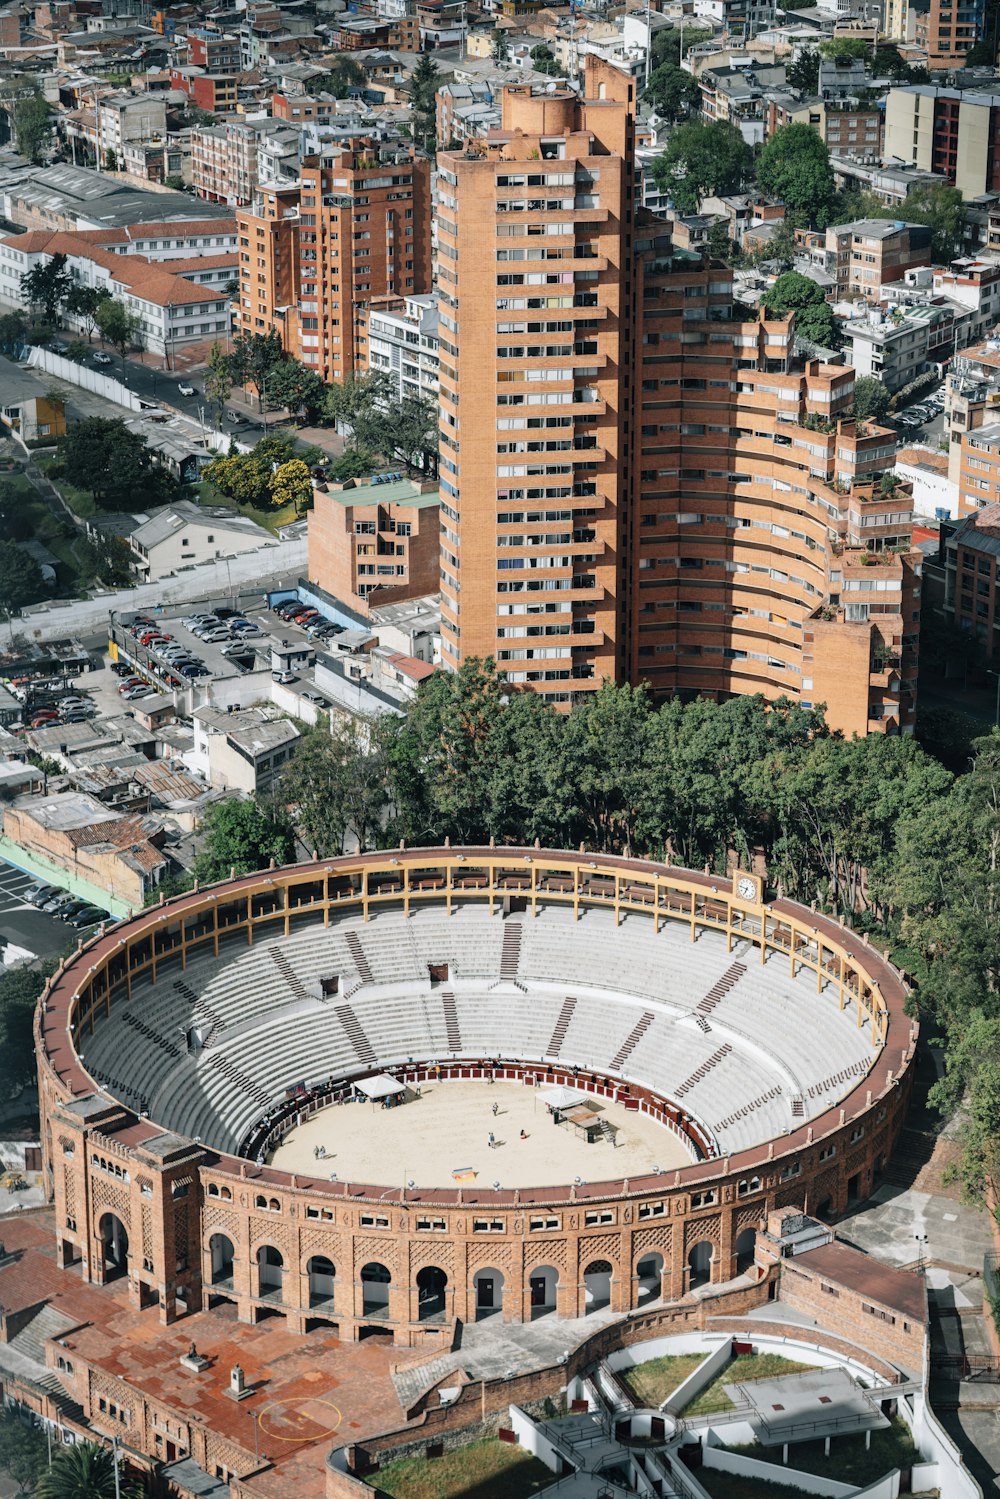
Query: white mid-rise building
x,y
402,339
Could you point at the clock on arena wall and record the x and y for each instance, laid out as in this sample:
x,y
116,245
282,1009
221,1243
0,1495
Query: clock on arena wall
x,y
747,887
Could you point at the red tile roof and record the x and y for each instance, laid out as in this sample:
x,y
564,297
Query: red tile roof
x,y
903,1291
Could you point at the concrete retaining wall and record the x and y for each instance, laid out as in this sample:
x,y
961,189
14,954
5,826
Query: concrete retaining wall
x,y
751,1467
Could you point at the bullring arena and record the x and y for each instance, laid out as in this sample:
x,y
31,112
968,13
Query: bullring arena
x,y
279,1092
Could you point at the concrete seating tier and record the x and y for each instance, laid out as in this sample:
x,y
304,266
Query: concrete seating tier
x,y
747,1048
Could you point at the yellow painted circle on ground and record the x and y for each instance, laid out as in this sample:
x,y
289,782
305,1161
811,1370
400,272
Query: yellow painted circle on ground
x,y
297,1416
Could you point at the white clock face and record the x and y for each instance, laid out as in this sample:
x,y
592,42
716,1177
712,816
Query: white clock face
x,y
747,889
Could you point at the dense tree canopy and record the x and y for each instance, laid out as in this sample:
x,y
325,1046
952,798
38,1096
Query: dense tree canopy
x,y
794,166
21,580
796,293
702,160
47,285
244,836
254,357
116,465
672,91
871,399
86,1470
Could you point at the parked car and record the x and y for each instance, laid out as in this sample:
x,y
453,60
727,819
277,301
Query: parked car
x,y
133,693
284,677
315,697
36,895
217,637
54,902
90,916
224,613
120,670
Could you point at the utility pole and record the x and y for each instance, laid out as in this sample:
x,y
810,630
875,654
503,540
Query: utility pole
x,y
114,1453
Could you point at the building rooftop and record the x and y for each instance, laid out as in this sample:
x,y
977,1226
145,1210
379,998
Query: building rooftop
x,y
903,1291
399,492
67,811
164,523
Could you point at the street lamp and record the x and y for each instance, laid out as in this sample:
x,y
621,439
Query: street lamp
x,y
114,1453
256,1443
921,1242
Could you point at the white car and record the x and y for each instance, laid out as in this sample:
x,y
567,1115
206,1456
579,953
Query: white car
x,y
185,389
101,358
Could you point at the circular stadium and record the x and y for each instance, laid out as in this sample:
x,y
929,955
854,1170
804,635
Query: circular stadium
x,y
390,1092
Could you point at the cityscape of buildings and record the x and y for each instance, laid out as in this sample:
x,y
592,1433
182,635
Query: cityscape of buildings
x,y
353,351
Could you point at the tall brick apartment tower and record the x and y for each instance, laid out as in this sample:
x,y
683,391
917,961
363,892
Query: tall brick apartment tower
x,y
638,482
357,225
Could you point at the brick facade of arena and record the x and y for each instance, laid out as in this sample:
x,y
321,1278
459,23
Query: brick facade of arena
x,y
133,1199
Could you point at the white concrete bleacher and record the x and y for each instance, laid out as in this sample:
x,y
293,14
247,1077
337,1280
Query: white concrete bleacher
x,y
736,1064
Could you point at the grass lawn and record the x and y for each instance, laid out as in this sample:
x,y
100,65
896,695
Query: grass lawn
x,y
848,1461
205,493
758,1366
484,1470
732,1486
650,1383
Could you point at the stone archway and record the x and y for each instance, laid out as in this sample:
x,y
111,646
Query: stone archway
x,y
114,1239
375,1282
322,1273
543,1284
488,1286
597,1286
699,1259
743,1250
223,1254
432,1283
270,1273
649,1277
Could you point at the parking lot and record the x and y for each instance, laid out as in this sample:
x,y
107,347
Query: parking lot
x,y
923,420
36,931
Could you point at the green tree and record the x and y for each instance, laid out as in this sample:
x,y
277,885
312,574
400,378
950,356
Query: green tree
x,y
890,63
218,381
672,92
942,209
338,784
780,249
16,521
701,161
803,73
47,286
83,302
175,182
245,836
871,399
424,82
119,325
21,580
793,292
795,167
291,484
845,48
300,390
972,1083
13,328
543,60
110,160
344,74
32,119
501,46
85,1471
669,45
253,358
718,245
23,1448
77,350
20,989
116,465
982,55
106,561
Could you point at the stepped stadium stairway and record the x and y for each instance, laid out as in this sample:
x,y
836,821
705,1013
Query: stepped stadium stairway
x,y
561,1027
510,955
358,954
631,1041
363,1049
451,1022
720,989
288,973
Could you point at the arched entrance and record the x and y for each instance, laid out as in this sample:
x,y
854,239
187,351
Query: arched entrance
x,y
488,1286
431,1284
220,1247
744,1250
115,1241
597,1286
700,1264
321,1277
649,1277
543,1284
375,1283
270,1273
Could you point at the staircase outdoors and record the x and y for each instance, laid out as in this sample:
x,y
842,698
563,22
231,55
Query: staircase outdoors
x,y
451,1021
631,1040
561,1027
363,1049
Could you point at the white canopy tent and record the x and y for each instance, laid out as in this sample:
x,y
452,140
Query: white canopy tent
x,y
380,1086
562,1096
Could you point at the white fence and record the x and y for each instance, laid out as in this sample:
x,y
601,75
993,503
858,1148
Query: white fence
x,y
86,378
